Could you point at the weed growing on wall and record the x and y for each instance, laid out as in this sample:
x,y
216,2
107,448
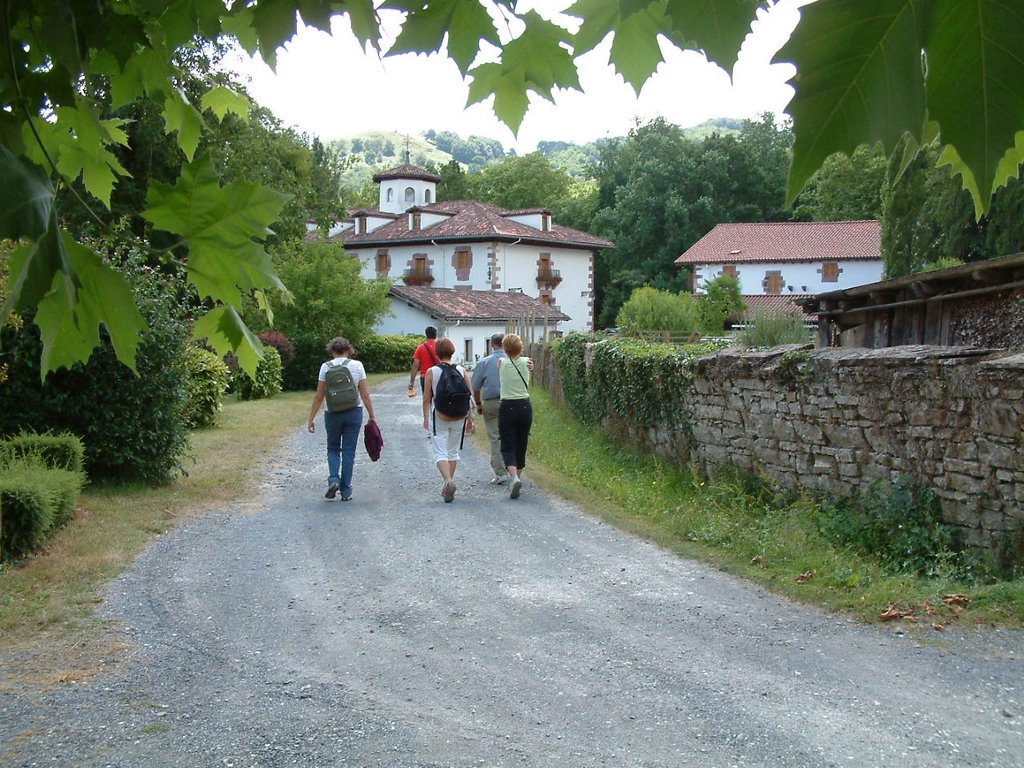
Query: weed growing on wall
x,y
900,525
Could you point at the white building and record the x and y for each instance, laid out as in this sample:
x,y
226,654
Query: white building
x,y
776,263
463,245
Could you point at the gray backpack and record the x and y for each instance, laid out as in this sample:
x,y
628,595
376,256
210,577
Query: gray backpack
x,y
342,392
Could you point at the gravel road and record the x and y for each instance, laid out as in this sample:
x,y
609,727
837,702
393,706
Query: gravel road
x,y
396,630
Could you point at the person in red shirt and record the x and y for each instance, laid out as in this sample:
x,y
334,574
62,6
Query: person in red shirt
x,y
423,359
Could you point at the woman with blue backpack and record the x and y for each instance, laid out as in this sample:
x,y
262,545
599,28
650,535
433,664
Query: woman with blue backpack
x,y
447,394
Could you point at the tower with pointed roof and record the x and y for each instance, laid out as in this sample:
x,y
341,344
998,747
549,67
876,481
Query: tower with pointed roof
x,y
406,187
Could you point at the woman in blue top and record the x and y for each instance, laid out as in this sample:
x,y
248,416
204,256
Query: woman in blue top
x,y
515,414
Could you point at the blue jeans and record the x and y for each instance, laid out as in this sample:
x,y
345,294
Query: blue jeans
x,y
342,438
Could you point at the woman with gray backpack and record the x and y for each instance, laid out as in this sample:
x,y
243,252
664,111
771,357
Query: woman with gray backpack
x,y
341,385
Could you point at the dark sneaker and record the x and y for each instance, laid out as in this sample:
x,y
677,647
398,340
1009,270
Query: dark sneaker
x,y
448,492
332,490
517,486
347,498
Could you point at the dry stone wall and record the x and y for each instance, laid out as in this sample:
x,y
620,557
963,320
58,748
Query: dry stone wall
x,y
835,420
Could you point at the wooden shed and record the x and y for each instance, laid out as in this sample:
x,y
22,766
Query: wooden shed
x,y
978,304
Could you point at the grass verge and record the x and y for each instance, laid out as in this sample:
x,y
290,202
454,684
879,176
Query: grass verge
x,y
51,597
775,544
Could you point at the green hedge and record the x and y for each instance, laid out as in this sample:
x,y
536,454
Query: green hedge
x,y
301,374
131,423
208,379
34,501
268,378
387,354
61,451
378,354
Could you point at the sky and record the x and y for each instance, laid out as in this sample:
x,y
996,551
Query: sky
x,y
327,86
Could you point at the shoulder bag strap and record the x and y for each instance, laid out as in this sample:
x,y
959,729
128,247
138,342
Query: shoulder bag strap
x,y
515,364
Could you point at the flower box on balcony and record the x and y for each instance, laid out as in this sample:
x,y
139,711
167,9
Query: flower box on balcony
x,y
417,279
549,279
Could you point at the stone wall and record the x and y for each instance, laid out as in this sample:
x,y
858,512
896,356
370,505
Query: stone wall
x,y
834,420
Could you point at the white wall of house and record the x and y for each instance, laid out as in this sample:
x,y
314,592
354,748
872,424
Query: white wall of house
x,y
797,277
472,340
500,266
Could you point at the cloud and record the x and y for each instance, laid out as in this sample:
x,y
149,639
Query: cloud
x,y
328,86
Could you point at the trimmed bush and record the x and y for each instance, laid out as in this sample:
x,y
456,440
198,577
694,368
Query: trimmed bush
x,y
309,356
267,382
131,424
208,379
387,353
280,342
63,451
34,500
651,309
773,329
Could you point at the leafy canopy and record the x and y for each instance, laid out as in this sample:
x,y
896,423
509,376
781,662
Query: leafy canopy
x,y
867,72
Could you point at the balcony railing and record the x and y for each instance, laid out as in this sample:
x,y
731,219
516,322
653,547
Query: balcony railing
x,y
549,278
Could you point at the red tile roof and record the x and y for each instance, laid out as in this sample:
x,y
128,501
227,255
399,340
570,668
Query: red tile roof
x,y
467,221
787,241
774,303
459,304
406,172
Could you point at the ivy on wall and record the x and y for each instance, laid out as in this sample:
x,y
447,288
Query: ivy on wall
x,y
646,383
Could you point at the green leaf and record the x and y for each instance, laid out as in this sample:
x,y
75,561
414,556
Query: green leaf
x,y
952,158
365,23
224,330
635,52
79,146
182,117
26,198
144,73
508,89
535,61
718,27
222,100
465,23
219,225
975,72
274,23
859,79
1009,167
599,19
239,25
70,315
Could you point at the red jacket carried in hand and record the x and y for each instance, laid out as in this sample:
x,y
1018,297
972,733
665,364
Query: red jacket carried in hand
x,y
373,440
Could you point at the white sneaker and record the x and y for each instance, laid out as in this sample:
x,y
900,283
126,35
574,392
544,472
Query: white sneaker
x,y
517,486
499,480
